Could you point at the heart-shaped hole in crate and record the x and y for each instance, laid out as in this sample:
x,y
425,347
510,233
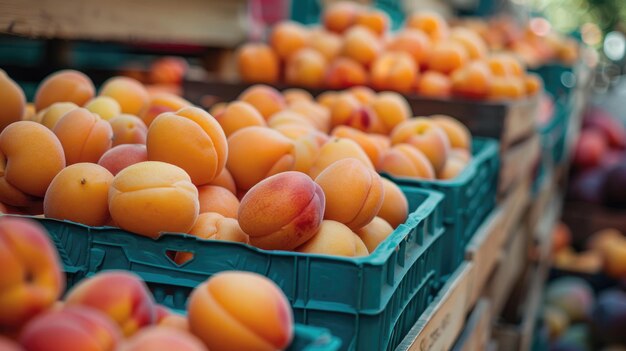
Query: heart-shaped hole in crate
x,y
179,258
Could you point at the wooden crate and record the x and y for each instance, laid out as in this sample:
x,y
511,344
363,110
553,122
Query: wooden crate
x,y
219,23
584,219
477,331
485,248
442,322
517,163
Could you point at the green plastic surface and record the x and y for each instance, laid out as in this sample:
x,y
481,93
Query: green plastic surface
x,y
469,197
308,338
369,302
309,11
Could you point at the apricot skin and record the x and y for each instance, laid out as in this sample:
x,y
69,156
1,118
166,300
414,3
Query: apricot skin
x,y
13,101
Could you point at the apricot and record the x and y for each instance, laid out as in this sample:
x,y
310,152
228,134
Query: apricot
x,y
353,200
374,19
504,65
318,115
425,135
13,101
30,113
474,44
32,279
296,131
361,44
447,56
434,84
431,23
326,43
373,149
282,212
453,167
406,161
533,83
383,142
52,114
306,150
120,295
217,199
201,153
287,117
287,38
258,63
461,154
217,108
152,197
226,181
163,339
374,233
30,157
79,193
472,81
395,207
391,109
347,110
129,93
240,311
256,153
293,95
344,72
335,238
106,107
128,129
306,67
414,42
122,156
394,71
71,329
327,98
85,136
238,115
337,149
364,94
64,86
340,16
458,134
502,88
174,321
161,103
264,98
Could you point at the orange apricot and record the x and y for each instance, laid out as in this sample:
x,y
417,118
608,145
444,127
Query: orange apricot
x,y
152,197
504,65
318,115
447,56
161,103
240,311
353,200
472,81
414,42
347,110
474,44
225,180
374,233
306,67
372,148
453,167
128,129
364,94
163,339
201,153
335,238
344,72
431,23
326,43
30,157
507,88
84,135
217,199
288,117
119,157
258,63
327,98
340,16
106,107
361,44
287,38
75,186
458,134
64,86
293,95
434,84
238,115
337,149
425,135
13,101
404,160
534,83
264,98
394,71
376,20
395,207
391,109
129,93
52,114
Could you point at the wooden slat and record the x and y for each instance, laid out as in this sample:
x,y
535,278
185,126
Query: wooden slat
x,y
204,22
441,323
477,331
517,163
485,248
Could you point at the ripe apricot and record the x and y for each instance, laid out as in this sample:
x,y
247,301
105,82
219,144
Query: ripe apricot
x,y
75,187
306,67
395,207
237,115
391,109
129,93
217,199
374,19
406,161
318,115
161,103
361,45
372,148
225,180
52,114
106,107
128,129
374,233
293,95
364,94
458,134
326,43
201,153
64,86
472,81
453,167
425,135
507,88
84,135
163,339
431,23
264,98
287,38
337,149
533,83
434,84
414,42
335,238
13,101
344,72
152,197
283,211
258,63
353,200
394,71
340,16
119,157
504,65
347,110
474,44
447,56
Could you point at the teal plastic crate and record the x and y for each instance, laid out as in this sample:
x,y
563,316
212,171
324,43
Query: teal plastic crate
x,y
306,338
553,134
369,302
469,198
309,11
558,79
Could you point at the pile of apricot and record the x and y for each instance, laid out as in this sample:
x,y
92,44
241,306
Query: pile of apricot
x,y
354,46
114,310
279,171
